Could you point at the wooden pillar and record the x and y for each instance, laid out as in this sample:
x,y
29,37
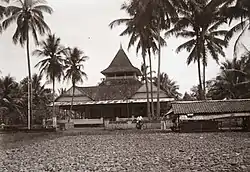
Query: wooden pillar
x,y
101,111
87,113
230,123
178,125
127,110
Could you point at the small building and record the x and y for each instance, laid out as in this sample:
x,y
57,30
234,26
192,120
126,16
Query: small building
x,y
210,115
120,95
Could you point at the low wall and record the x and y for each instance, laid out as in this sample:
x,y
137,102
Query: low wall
x,y
166,124
130,119
83,121
130,125
65,125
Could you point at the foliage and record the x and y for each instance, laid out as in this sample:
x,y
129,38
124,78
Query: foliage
x,y
199,23
28,15
238,10
143,27
74,68
52,66
233,81
13,99
188,97
10,100
168,85
61,91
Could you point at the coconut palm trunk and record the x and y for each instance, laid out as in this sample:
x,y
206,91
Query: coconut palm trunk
x,y
204,64
158,109
200,82
72,100
53,108
199,68
151,84
29,82
204,75
146,81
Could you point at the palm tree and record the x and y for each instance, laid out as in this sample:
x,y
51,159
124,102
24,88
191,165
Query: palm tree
x,y
74,69
240,10
188,97
2,12
233,80
52,66
168,85
41,97
204,36
141,29
28,16
9,100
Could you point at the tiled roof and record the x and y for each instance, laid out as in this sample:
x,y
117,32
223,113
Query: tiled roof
x,y
121,64
112,91
211,106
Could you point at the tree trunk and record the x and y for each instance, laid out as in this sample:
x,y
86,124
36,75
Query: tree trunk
x,y
53,110
200,82
204,72
204,80
199,68
158,109
204,64
29,83
146,81
151,84
72,100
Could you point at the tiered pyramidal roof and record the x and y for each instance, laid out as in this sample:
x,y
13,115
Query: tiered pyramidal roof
x,y
121,64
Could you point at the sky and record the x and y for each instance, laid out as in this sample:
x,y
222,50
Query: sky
x,y
85,24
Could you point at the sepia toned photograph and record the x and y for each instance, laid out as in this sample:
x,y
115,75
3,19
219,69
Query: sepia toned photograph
x,y
124,85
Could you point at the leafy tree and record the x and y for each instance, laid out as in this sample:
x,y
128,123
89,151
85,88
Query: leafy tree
x,y
53,64
28,16
74,69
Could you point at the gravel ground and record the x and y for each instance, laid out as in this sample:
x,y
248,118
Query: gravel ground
x,y
129,151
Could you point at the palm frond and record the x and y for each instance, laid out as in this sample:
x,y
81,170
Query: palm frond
x,y
44,8
118,22
187,45
238,27
192,56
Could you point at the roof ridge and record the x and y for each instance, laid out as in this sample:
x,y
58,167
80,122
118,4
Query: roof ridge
x,y
210,101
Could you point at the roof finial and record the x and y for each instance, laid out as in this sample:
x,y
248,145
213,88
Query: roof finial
x,y
120,46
